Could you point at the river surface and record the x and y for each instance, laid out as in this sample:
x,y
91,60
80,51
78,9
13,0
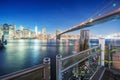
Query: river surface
x,y
21,54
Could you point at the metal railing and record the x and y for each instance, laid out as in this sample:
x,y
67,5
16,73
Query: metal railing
x,y
39,72
79,65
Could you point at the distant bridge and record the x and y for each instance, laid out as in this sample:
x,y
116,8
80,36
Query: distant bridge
x,y
107,17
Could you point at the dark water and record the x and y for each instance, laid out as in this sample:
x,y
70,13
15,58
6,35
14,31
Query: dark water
x,y
21,54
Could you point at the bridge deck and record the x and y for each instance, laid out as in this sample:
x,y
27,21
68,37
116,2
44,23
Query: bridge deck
x,y
107,17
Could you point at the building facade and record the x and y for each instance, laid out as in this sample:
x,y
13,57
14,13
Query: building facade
x,y
11,33
8,31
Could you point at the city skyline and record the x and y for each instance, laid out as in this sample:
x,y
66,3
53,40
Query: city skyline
x,y
58,14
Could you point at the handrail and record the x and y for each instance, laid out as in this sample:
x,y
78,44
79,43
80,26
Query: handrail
x,y
63,65
22,72
79,53
41,71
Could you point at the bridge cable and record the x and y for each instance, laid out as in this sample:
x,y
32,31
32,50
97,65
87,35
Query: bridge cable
x,y
97,8
99,11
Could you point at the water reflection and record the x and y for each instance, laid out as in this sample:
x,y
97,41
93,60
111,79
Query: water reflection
x,y
76,47
21,54
67,47
61,47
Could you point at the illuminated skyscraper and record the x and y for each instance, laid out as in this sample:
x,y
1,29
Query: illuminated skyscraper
x,y
43,31
21,28
1,32
36,31
8,31
12,31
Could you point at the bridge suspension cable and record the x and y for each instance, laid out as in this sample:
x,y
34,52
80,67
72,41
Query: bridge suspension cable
x,y
95,10
105,9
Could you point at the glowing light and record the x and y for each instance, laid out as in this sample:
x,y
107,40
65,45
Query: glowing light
x,y
82,23
21,40
36,41
114,5
91,20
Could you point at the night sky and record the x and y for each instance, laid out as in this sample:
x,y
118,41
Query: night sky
x,y
58,14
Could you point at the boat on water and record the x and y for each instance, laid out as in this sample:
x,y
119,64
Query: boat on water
x,y
3,42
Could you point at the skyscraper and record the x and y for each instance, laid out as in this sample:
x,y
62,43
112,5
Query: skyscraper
x,y
1,32
43,31
21,28
8,31
36,31
12,31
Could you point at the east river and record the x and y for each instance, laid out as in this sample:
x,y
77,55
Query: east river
x,y
21,54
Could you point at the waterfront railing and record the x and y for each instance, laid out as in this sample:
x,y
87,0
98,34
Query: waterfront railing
x,y
39,72
78,66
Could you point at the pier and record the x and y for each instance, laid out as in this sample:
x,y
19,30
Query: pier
x,y
87,64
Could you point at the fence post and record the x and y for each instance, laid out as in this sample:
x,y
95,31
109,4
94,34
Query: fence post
x,y
46,62
58,67
102,45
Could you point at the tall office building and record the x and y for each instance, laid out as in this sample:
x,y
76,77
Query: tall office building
x,y
20,32
21,28
8,31
5,29
11,31
36,30
1,32
27,33
43,31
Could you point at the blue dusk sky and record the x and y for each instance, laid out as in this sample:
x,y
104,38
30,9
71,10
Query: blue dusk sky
x,y
58,14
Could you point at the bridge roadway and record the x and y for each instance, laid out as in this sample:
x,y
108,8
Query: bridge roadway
x,y
104,18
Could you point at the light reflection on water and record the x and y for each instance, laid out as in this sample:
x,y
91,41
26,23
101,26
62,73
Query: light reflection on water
x,y
21,54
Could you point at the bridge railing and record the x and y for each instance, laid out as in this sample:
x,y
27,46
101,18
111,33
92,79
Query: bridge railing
x,y
79,65
39,72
